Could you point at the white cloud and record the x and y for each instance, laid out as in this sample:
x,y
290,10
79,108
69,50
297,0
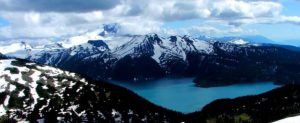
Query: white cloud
x,y
138,17
209,30
291,19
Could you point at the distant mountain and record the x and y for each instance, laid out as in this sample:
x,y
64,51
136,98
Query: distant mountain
x,y
256,39
148,57
20,49
293,42
38,93
160,55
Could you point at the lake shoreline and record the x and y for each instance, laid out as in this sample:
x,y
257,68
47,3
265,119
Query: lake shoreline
x,y
182,95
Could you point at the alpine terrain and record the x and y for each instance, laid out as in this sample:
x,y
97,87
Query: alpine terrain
x,y
147,57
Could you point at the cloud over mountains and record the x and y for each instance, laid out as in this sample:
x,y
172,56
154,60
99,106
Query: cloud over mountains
x,y
48,18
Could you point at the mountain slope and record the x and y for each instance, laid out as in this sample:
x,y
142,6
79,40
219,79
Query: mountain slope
x,y
263,108
163,56
147,57
31,92
249,64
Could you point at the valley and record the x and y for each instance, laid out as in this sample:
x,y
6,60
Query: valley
x,y
181,95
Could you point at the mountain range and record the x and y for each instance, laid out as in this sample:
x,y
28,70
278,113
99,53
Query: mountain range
x,y
148,57
104,54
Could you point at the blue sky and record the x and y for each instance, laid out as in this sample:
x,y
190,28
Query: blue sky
x,y
284,31
275,19
278,31
3,22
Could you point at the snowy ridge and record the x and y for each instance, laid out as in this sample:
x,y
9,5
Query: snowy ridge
x,y
21,48
136,45
239,42
157,46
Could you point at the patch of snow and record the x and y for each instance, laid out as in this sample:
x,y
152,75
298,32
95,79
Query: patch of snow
x,y
6,100
239,42
12,87
21,93
80,88
203,46
157,52
30,64
117,116
114,42
44,87
2,110
33,85
128,47
295,119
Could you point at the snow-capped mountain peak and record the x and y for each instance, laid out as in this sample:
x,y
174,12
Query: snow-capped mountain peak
x,y
91,47
239,42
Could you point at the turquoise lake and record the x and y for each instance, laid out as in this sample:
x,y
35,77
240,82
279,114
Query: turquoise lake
x,y
183,96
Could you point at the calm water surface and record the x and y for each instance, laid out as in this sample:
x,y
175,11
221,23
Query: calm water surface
x,y
181,94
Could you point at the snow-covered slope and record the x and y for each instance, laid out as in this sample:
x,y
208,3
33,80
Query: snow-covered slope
x,y
151,44
106,53
25,86
171,55
37,93
166,55
156,46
